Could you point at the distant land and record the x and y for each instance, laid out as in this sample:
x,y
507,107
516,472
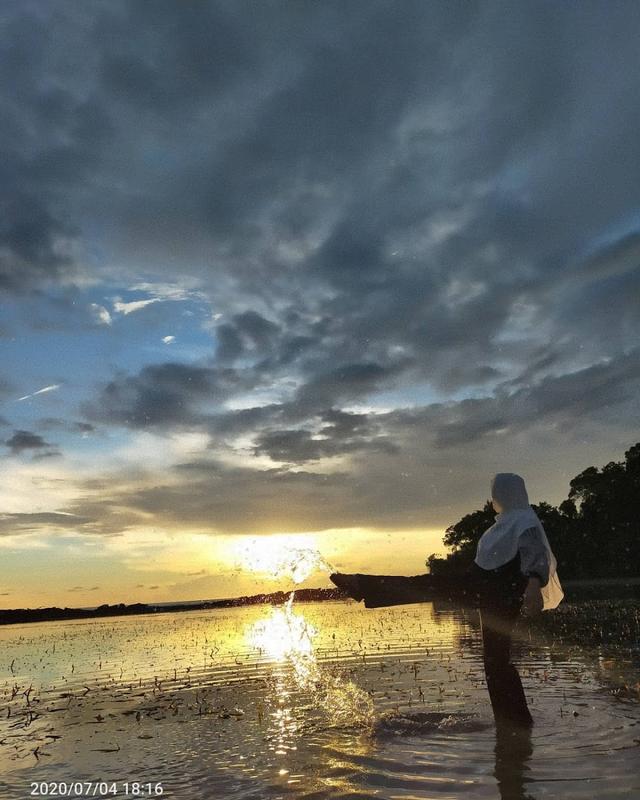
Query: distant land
x,y
20,615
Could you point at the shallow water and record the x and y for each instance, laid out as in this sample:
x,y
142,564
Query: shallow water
x,y
314,700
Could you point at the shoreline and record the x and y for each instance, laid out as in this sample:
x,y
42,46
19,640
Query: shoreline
x,y
584,589
17,616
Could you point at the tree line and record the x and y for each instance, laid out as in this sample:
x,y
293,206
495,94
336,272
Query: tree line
x,y
594,533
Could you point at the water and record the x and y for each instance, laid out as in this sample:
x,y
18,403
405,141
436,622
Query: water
x,y
317,700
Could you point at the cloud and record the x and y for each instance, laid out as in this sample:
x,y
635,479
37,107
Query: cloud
x,y
52,139
25,440
160,292
48,520
54,423
52,388
83,589
171,291
299,446
168,339
564,402
346,182
411,467
247,331
133,305
166,395
101,314
432,213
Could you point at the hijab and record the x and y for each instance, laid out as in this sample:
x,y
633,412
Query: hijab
x,y
499,543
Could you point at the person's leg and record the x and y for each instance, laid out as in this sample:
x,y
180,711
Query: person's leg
x,y
386,590
503,682
513,750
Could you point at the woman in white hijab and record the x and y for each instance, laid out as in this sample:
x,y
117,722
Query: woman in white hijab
x,y
514,572
517,529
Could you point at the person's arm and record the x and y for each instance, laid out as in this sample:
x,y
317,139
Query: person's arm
x,y
386,590
534,563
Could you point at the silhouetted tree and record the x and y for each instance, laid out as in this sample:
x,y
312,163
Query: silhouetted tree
x,y
595,532
463,539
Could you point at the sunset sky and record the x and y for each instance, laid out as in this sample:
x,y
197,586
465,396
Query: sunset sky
x,y
307,269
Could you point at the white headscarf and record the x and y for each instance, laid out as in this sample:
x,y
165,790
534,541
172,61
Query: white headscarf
x,y
499,543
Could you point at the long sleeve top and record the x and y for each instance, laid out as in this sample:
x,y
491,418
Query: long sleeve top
x,y
534,558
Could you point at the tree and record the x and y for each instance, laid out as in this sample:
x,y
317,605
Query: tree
x,y
595,532
463,539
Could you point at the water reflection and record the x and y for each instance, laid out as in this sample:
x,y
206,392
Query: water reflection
x,y
513,750
279,702
305,696
286,637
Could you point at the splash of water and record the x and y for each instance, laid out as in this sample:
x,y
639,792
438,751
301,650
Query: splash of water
x,y
301,562
281,560
287,637
395,723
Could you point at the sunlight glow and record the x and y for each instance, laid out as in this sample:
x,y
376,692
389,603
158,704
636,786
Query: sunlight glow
x,y
281,556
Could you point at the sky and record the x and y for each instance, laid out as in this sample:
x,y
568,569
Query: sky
x,y
292,276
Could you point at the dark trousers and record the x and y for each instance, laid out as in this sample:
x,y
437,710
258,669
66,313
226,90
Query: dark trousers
x,y
503,682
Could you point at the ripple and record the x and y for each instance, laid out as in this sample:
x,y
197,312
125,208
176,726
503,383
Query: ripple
x,y
346,702
420,723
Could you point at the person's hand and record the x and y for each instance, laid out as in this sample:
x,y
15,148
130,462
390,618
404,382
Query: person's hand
x,y
532,603
348,583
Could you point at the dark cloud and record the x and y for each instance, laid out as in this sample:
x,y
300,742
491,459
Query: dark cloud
x,y
345,383
348,160
247,332
51,138
74,426
564,402
25,440
434,198
298,446
45,454
29,522
161,395
412,467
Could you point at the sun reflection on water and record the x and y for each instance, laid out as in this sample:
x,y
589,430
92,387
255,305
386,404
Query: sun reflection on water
x,y
286,638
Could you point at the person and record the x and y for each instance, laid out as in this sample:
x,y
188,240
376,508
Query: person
x,y
514,572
